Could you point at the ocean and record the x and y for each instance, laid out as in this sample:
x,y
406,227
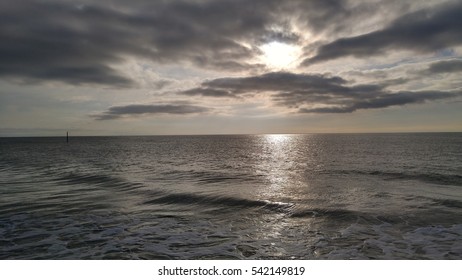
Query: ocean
x,y
311,196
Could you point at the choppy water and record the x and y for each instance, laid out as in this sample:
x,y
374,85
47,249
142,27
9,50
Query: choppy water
x,y
346,196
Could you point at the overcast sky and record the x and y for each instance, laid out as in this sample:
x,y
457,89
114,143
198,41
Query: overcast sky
x,y
116,67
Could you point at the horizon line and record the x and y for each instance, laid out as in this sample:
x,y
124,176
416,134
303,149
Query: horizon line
x,y
226,134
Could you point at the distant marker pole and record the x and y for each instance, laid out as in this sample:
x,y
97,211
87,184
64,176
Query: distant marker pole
x,y
67,136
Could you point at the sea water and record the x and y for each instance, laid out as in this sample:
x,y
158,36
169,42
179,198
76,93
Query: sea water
x,y
319,196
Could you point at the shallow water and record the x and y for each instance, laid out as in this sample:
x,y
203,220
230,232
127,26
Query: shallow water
x,y
332,196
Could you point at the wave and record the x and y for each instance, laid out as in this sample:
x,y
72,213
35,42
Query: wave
x,y
96,179
451,203
320,212
210,200
289,210
435,178
340,215
208,177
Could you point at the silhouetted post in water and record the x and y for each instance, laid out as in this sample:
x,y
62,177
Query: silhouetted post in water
x,y
67,136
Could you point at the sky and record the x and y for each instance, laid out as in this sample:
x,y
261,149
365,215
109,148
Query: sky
x,y
116,67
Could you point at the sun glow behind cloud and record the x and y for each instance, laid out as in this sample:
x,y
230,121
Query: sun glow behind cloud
x,y
278,55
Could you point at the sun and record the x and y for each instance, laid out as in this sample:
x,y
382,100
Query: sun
x,y
279,55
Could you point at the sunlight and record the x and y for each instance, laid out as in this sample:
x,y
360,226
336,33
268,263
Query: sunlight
x,y
277,139
280,55
278,161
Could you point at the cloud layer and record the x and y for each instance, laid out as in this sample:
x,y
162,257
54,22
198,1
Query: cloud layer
x,y
449,66
81,43
316,93
421,31
155,109
144,58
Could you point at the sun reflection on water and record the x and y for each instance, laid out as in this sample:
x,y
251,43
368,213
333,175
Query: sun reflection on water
x,y
278,161
277,139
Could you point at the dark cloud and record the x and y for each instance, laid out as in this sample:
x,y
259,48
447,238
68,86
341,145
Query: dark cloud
x,y
422,31
76,75
139,109
209,92
271,82
80,42
449,66
383,100
318,93
55,41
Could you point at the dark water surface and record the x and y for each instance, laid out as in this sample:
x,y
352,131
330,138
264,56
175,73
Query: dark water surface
x,y
333,196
